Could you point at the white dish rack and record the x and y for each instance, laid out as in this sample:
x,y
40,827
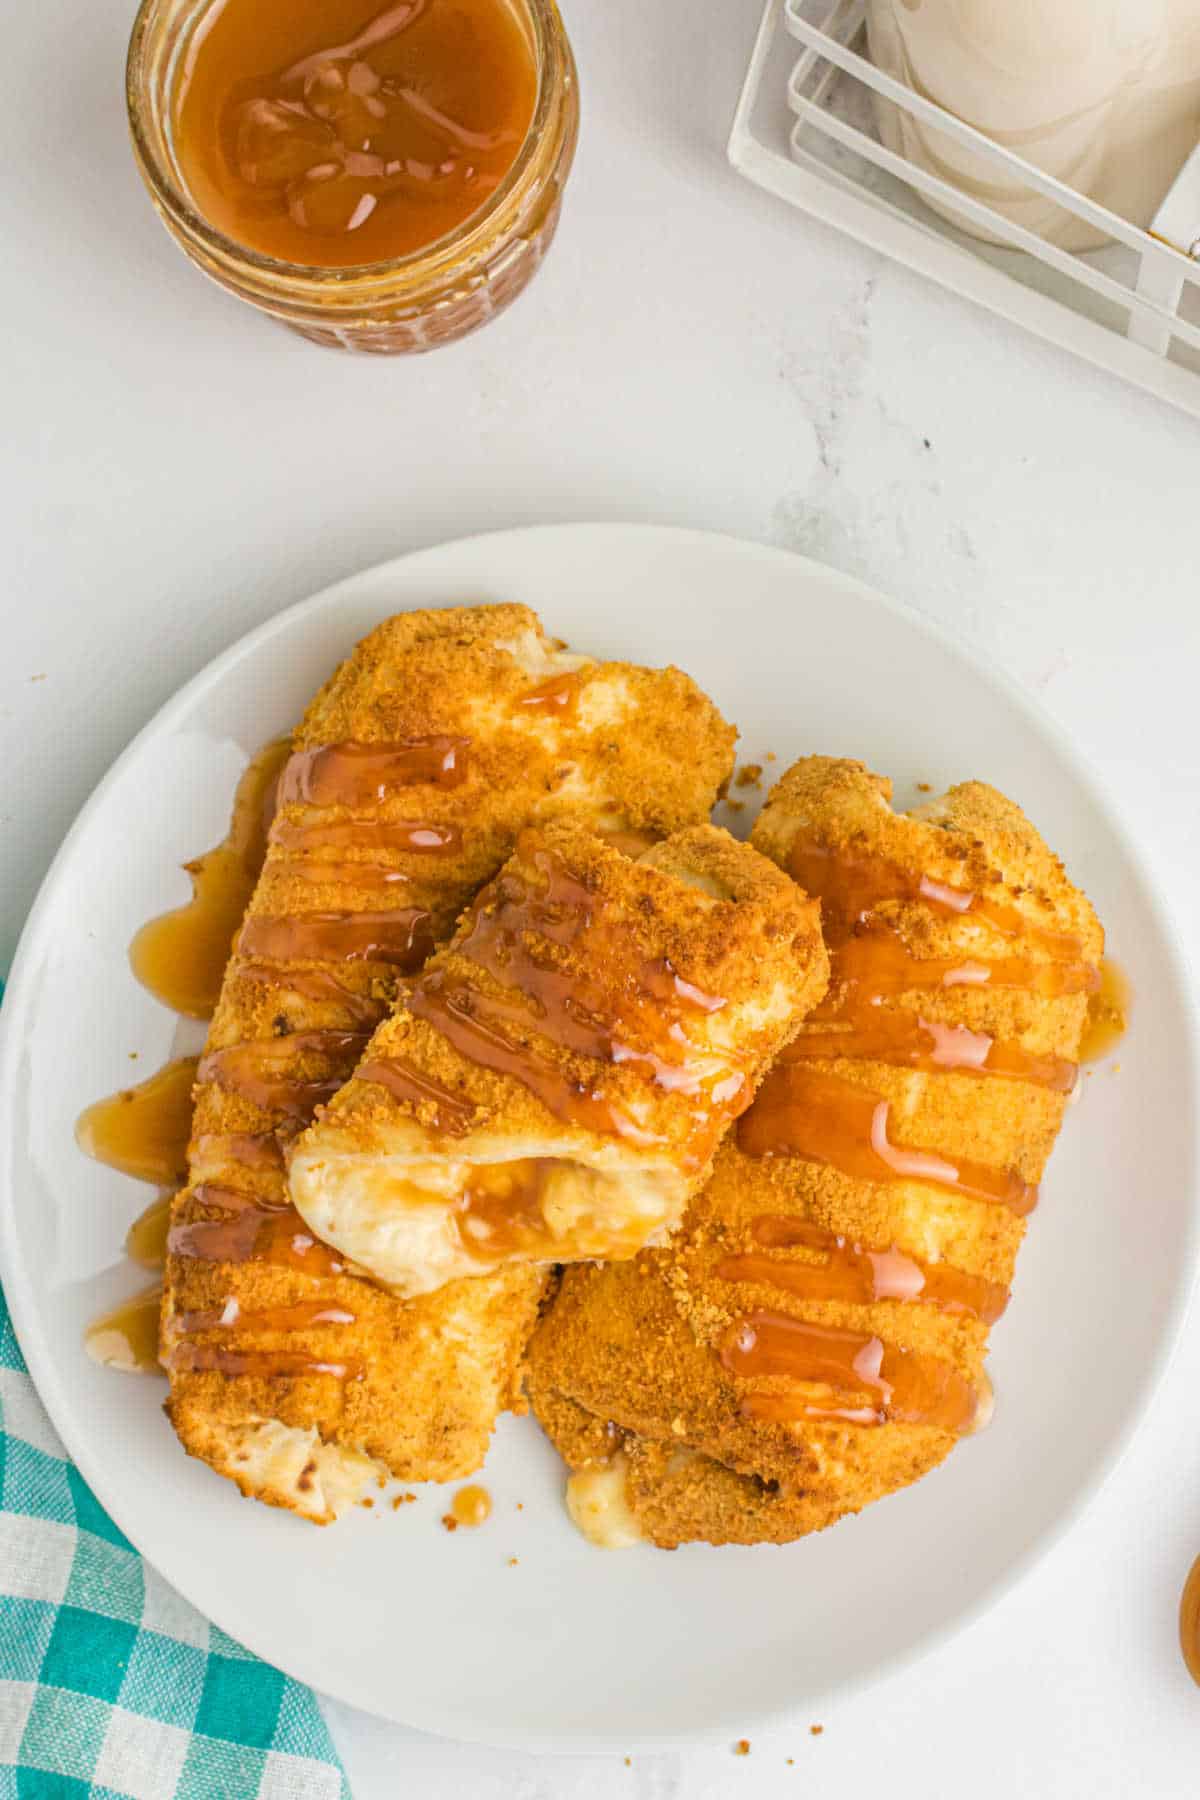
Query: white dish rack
x,y
805,130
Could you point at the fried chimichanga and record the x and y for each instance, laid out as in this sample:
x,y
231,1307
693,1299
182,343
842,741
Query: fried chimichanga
x,y
814,1338
411,775
552,1087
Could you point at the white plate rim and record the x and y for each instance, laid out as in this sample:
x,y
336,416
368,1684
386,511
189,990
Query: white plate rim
x,y
298,1663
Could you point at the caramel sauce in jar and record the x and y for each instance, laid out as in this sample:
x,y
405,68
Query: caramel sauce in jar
x,y
181,956
340,132
127,1337
143,1131
382,176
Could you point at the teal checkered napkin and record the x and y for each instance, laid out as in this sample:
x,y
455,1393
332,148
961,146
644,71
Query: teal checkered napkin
x,y
110,1684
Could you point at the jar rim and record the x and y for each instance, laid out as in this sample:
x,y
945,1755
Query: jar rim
x,y
455,244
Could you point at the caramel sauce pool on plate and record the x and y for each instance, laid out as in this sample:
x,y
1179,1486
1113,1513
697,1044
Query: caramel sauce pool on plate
x,y
181,956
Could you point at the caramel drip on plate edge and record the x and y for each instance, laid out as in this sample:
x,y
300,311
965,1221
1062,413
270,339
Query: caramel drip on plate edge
x,y
641,1022
182,957
143,1130
827,1119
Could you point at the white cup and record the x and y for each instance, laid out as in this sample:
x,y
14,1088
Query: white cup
x,y
1102,94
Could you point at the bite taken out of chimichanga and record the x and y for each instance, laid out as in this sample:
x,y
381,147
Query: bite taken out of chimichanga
x,y
814,1338
553,1085
411,775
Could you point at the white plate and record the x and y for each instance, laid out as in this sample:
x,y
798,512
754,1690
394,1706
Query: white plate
x,y
574,1648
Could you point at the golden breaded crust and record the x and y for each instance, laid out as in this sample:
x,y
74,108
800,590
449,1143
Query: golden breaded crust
x,y
763,937
554,1084
640,1348
300,1009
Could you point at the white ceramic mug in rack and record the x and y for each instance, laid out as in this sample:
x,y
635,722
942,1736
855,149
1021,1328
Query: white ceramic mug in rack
x,y
1102,94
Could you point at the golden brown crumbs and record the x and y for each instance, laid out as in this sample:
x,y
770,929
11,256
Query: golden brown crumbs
x,y
736,806
771,756
629,1762
742,1747
513,1562
366,1501
402,1500
924,787
520,1506
791,1762
37,678
449,1521
815,1730
749,775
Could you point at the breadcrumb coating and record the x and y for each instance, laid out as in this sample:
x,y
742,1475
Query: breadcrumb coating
x,y
628,1359
462,725
564,1069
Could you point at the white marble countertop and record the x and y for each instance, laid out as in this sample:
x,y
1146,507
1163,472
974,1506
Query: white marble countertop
x,y
174,470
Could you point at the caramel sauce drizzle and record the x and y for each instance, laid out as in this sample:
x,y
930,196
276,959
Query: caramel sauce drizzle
x,y
353,774
248,1227
453,1112
827,1120
403,937
410,837
904,1040
512,930
181,956
876,959
870,963
322,871
851,887
859,1276
295,1317
271,1365
254,1070
859,1380
249,1149
317,984
559,696
143,1130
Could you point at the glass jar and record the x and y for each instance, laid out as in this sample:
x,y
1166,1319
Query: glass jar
x,y
416,302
